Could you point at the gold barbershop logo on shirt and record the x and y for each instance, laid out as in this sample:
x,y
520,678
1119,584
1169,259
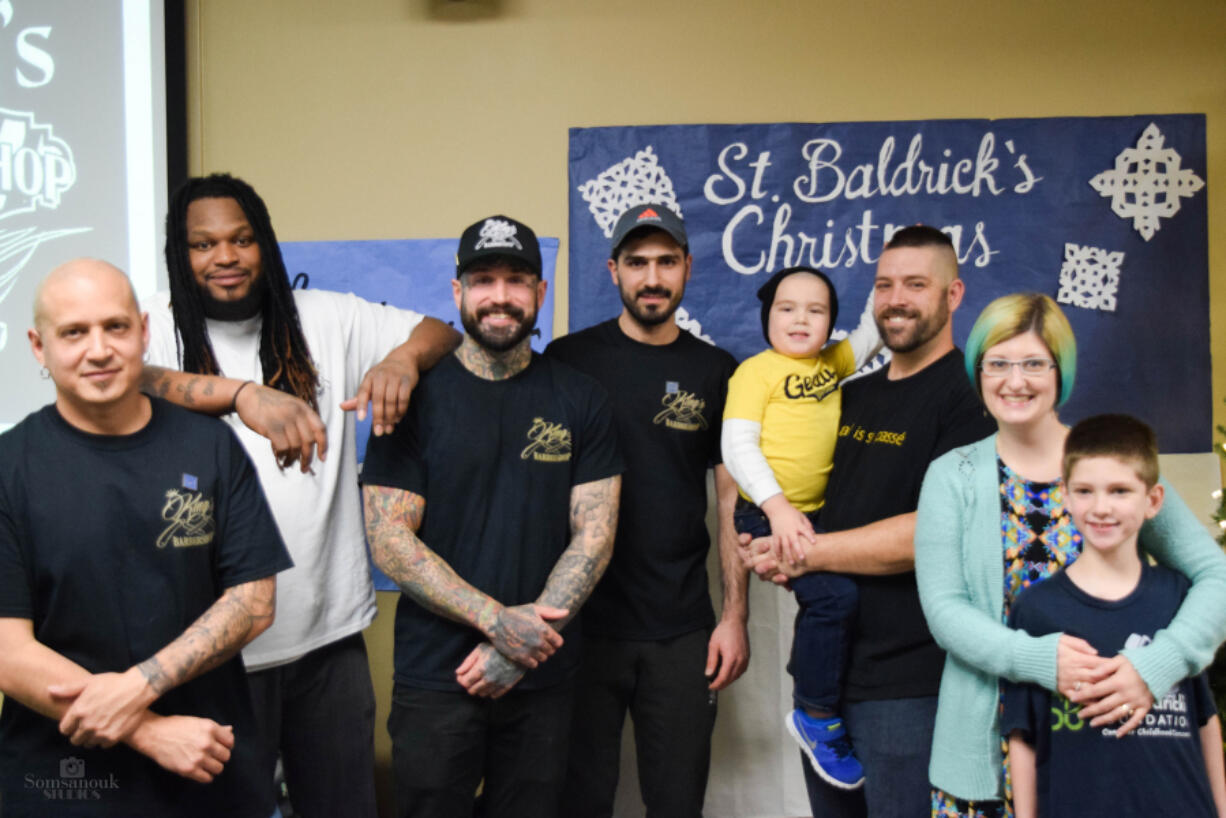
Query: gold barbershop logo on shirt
x,y
548,442
189,517
682,410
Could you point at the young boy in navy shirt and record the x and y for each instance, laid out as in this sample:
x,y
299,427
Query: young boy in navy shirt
x,y
1113,598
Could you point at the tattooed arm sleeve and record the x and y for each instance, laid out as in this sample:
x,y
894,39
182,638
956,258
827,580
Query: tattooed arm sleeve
x,y
294,429
242,613
593,524
393,517
108,707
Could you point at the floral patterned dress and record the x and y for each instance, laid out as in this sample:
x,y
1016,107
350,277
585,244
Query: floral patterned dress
x,y
1039,539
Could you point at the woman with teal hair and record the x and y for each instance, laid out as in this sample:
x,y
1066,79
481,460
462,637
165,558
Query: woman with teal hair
x,y
993,521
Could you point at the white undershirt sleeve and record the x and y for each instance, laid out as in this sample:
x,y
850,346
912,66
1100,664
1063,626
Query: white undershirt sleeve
x,y
865,339
744,459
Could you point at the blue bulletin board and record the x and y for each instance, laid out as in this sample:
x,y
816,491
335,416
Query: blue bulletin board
x,y
1106,214
412,274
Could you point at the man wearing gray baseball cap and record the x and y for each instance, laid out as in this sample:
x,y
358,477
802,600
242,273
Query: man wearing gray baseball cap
x,y
652,644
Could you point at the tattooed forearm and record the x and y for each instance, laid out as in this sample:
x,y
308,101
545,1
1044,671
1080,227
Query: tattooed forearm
x,y
593,524
200,392
393,517
242,613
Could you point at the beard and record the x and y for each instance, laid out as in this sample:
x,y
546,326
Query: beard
x,y
650,315
238,310
497,339
922,329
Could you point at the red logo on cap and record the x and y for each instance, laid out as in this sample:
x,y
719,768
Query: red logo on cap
x,y
648,214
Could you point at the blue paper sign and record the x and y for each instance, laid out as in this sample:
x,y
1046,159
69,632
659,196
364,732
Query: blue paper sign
x,y
1106,214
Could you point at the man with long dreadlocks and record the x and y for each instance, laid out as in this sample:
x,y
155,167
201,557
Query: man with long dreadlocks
x,y
235,314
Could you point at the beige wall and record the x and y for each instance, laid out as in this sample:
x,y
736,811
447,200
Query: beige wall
x,y
410,118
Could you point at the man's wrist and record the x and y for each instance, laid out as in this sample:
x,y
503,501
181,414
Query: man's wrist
x,y
487,618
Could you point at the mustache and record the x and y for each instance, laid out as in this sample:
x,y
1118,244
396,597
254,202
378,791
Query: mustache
x,y
661,292
900,312
506,309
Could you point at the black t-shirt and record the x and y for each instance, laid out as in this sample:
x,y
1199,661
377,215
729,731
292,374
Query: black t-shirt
x,y
669,402
495,462
1159,769
890,431
112,546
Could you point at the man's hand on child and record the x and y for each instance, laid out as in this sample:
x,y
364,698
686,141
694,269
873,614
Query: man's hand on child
x,y
791,531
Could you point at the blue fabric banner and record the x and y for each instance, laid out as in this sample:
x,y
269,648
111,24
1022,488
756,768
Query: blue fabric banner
x,y
413,274
1106,214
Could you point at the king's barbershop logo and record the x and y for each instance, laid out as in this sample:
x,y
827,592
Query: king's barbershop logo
x,y
682,410
548,442
72,784
189,518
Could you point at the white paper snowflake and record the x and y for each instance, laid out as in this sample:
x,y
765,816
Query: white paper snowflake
x,y
692,325
635,180
1146,182
1089,277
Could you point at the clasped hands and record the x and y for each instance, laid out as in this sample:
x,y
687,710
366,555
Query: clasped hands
x,y
1108,690
520,638
107,708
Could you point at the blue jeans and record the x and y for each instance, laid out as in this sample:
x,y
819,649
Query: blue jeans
x,y
821,637
893,740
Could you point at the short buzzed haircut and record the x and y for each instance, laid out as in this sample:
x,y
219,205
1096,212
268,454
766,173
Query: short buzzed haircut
x,y
922,235
919,235
1122,437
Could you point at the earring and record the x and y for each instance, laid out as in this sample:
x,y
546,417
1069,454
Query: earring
x,y
44,373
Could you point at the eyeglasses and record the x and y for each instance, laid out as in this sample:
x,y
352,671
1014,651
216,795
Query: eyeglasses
x,y
1001,367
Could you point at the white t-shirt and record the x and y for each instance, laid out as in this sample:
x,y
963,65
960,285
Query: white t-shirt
x,y
328,594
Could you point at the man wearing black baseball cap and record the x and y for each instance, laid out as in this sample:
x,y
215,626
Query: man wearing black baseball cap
x,y
515,457
652,645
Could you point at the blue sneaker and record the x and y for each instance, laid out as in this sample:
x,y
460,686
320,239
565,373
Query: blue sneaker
x,y
829,750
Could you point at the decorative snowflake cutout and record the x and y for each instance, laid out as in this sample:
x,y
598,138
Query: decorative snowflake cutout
x,y
692,325
1089,277
1146,183
635,180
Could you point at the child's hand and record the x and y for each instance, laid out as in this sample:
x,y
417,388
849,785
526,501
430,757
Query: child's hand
x,y
790,530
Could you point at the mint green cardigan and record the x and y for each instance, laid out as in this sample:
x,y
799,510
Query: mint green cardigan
x,y
959,569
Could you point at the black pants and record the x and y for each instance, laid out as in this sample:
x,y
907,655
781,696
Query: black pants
x,y
319,712
445,743
661,684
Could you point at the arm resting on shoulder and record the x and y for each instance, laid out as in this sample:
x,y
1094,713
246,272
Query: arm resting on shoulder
x,y
192,747
961,627
393,517
389,383
1186,646
292,427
